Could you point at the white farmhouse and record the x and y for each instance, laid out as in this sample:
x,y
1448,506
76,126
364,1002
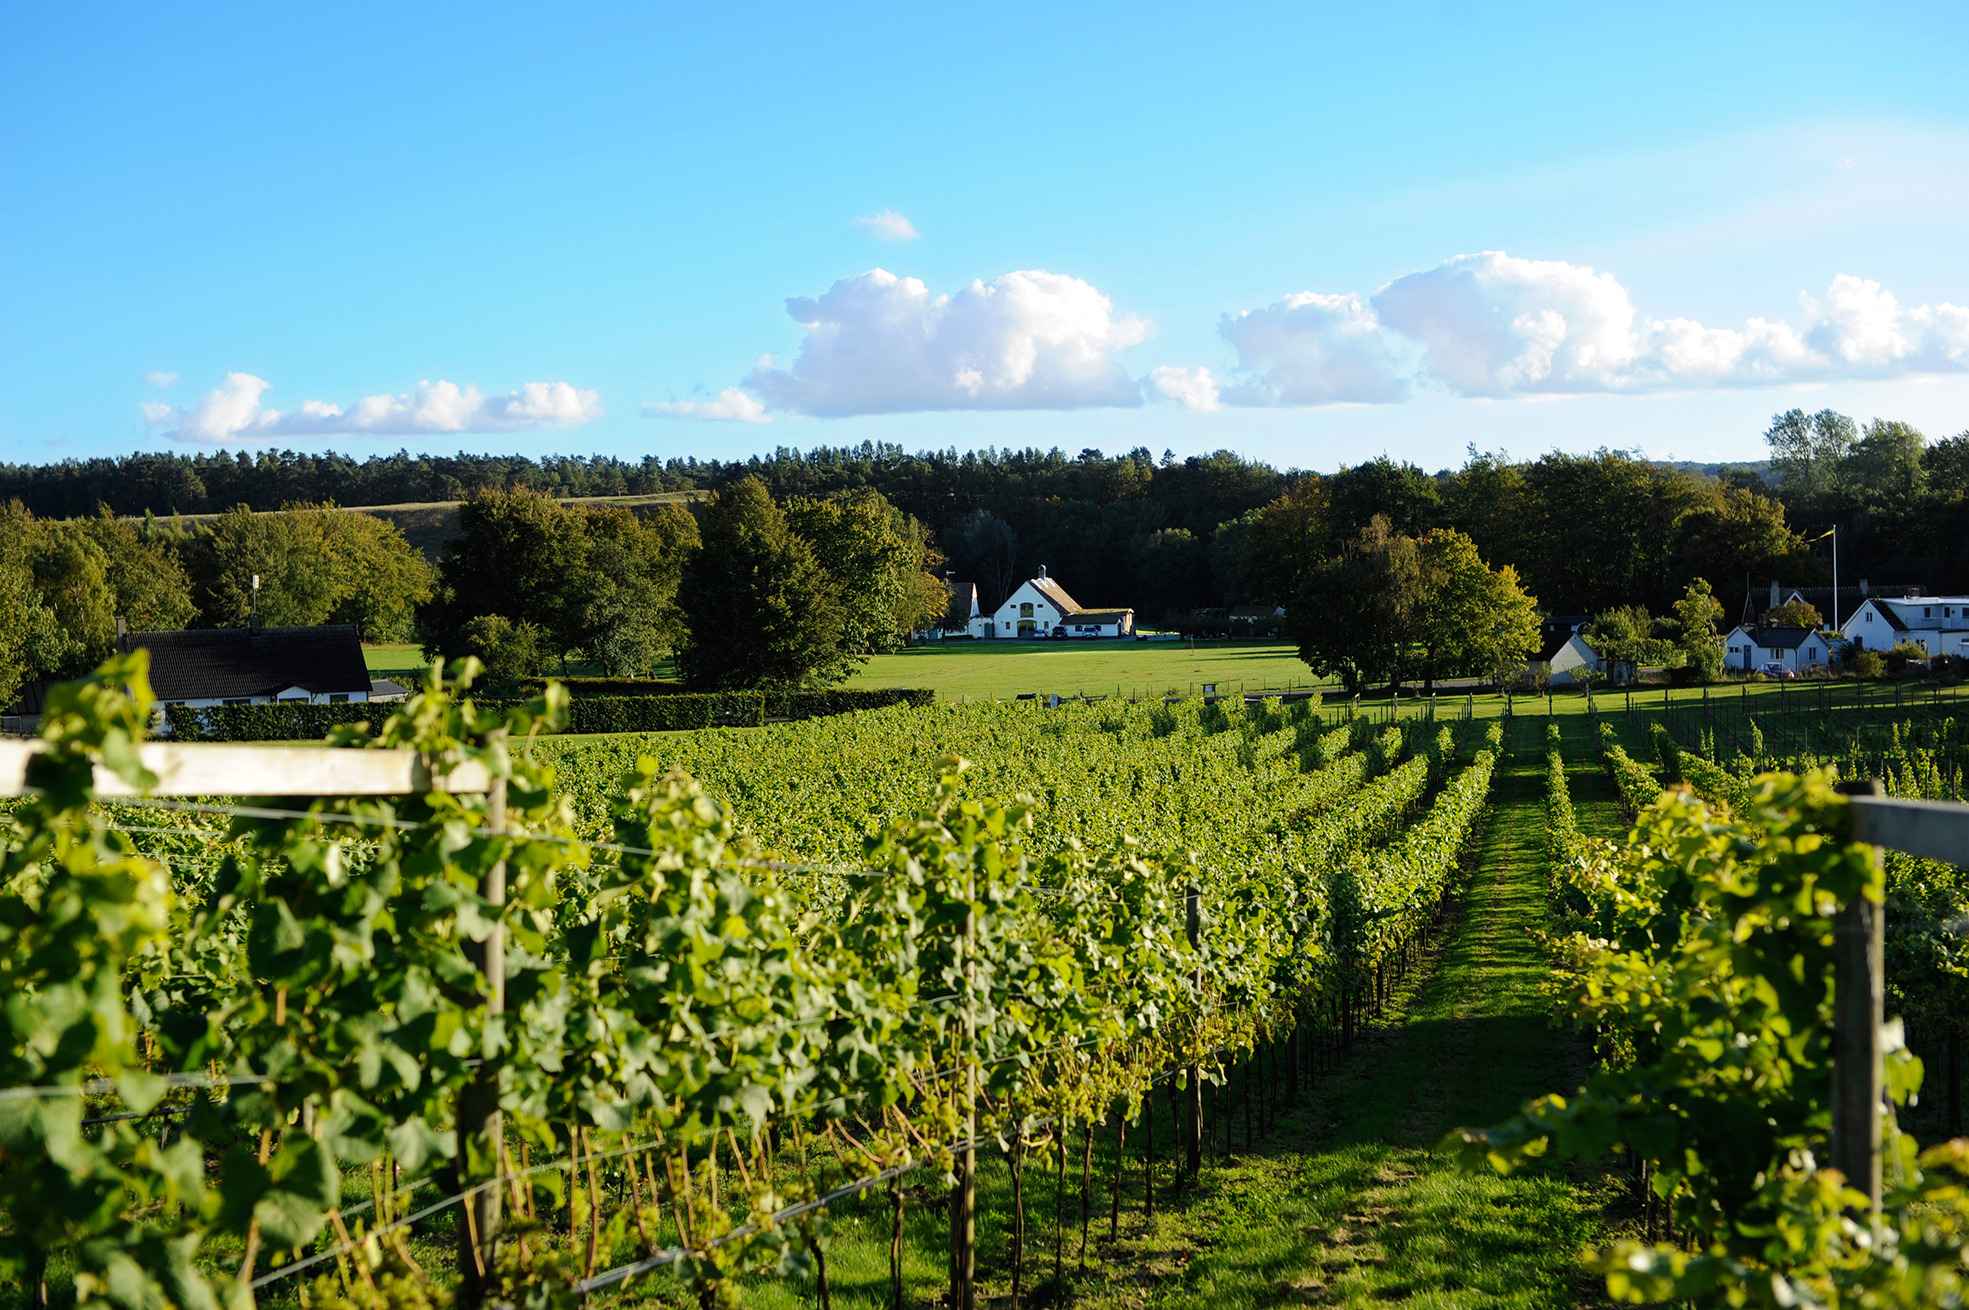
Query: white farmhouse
x,y
1564,654
1041,607
1797,650
1937,624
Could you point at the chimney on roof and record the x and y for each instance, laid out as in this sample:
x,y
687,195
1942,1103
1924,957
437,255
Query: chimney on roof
x,y
1042,570
1862,586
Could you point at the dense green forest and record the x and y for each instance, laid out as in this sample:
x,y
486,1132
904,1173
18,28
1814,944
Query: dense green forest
x,y
1167,535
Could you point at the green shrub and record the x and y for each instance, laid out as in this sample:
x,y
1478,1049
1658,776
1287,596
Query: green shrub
x,y
1869,664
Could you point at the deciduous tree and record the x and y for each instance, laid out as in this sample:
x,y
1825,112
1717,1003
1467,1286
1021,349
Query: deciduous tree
x,y
761,609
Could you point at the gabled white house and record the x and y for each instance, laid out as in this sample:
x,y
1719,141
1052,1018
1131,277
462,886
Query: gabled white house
x,y
1937,624
1041,607
1798,650
1564,655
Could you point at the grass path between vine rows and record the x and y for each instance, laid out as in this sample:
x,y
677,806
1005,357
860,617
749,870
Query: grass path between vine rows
x,y
1350,1203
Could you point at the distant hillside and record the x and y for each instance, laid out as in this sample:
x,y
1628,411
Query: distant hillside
x,y
431,525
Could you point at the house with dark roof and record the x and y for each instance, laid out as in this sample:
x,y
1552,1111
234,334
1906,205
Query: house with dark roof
x,y
1937,624
1797,650
254,666
1041,607
201,667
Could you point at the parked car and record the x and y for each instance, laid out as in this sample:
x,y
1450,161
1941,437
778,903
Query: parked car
x,y
1776,669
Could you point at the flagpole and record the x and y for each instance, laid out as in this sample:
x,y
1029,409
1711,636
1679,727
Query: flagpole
x,y
1835,577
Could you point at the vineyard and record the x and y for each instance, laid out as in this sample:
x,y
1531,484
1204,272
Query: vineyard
x,y
263,1042
724,1024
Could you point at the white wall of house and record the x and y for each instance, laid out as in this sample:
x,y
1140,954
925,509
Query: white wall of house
x,y
1742,653
1570,659
1026,613
1120,627
291,695
1937,624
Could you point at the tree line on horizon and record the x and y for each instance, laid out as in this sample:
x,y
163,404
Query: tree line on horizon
x,y
1168,536
855,540
743,592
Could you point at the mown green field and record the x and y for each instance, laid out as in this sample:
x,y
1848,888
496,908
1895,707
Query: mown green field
x,y
1000,670
995,670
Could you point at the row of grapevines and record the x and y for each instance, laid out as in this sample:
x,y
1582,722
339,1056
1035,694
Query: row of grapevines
x,y
1634,783
1710,965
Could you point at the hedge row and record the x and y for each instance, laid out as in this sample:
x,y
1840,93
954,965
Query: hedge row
x,y
720,709
594,686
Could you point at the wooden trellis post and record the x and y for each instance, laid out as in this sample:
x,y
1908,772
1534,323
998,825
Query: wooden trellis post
x,y
1935,830
1193,1076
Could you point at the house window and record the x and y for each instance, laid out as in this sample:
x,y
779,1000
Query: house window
x,y
338,698
235,700
1025,610
1927,611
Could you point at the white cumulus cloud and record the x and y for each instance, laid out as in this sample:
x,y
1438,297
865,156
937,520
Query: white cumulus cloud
x,y
1315,349
889,225
1493,324
233,411
879,344
1193,388
730,405
161,377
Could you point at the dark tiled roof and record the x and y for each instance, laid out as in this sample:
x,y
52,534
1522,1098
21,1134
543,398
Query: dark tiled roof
x,y
1780,638
202,663
389,688
1552,638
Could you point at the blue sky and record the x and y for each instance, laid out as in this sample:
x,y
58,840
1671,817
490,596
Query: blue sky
x,y
1312,237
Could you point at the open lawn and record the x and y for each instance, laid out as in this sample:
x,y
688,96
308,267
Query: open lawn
x,y
996,670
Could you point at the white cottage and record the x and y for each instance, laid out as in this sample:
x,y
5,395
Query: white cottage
x,y
1565,656
1041,607
1937,624
1797,650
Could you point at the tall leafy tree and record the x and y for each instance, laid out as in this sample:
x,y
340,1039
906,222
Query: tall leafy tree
x,y
153,591
516,555
1466,619
29,638
882,564
627,592
300,577
71,577
1627,636
1886,463
761,609
1697,615
984,549
1350,618
382,577
1809,451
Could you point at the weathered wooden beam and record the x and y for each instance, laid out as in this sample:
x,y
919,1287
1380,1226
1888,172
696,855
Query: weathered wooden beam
x,y
225,769
1936,830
